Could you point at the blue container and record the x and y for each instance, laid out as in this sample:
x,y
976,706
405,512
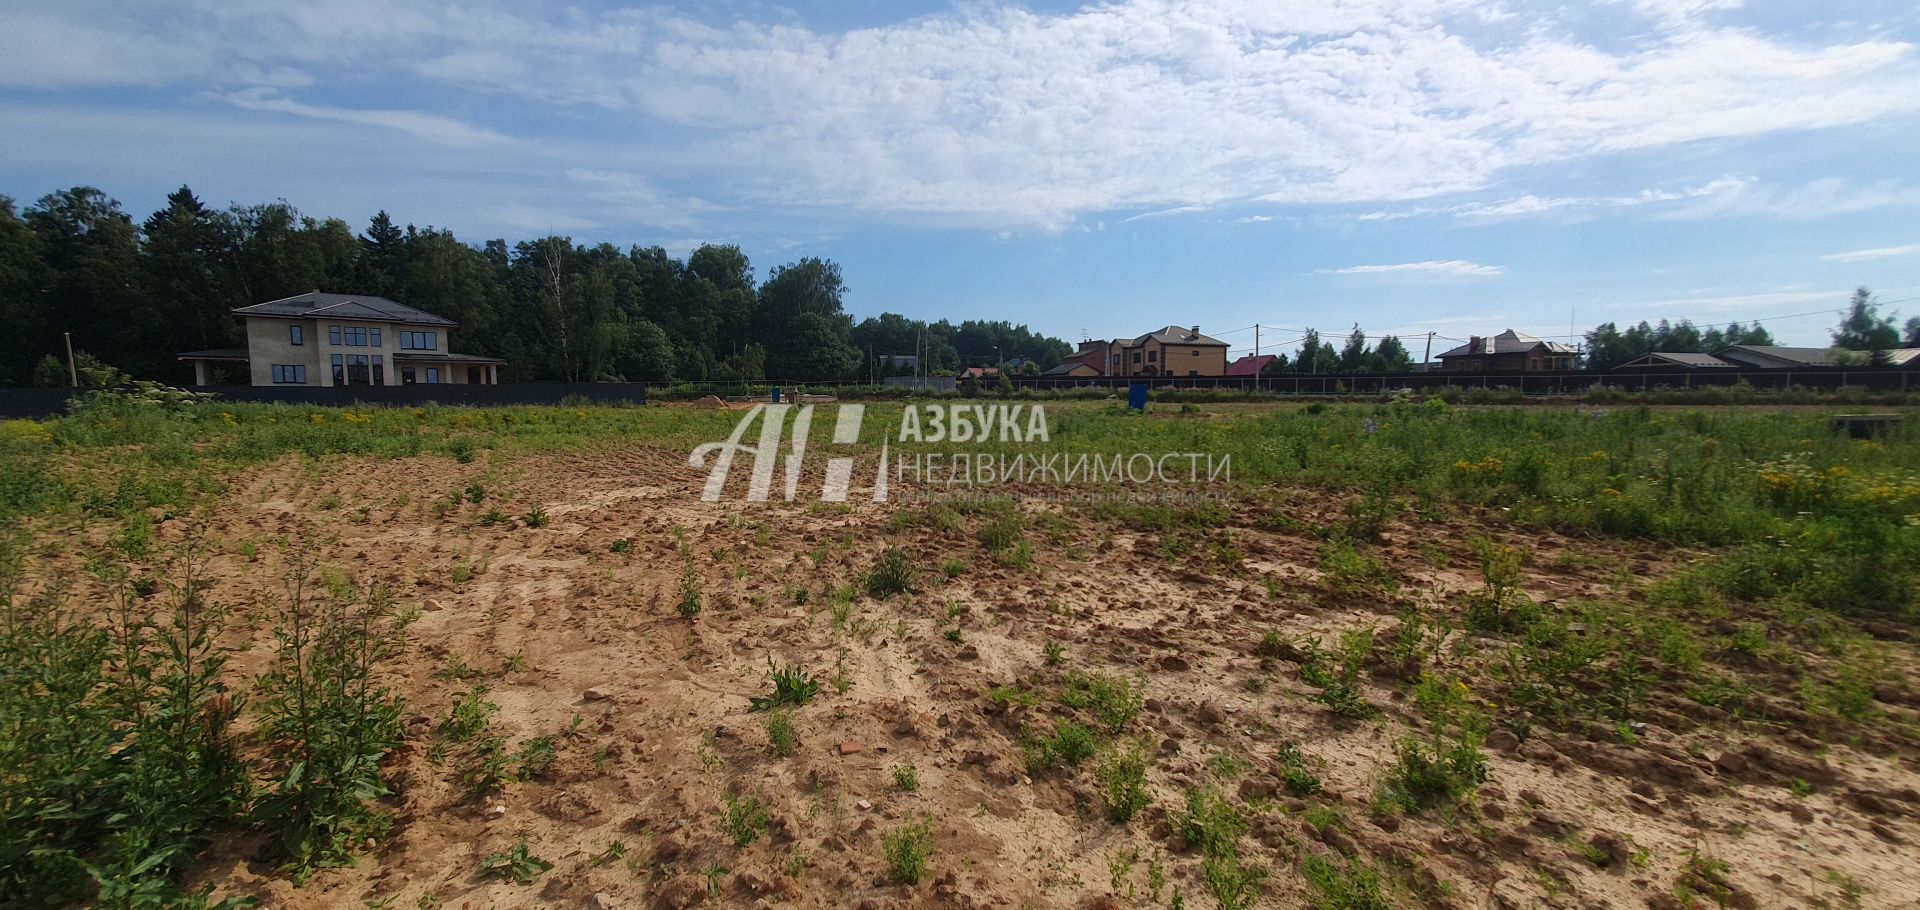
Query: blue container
x,y
776,394
1137,396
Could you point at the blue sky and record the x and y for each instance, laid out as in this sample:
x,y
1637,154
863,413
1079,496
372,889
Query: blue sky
x,y
1410,165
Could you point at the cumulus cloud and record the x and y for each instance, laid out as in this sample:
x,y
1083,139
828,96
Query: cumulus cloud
x,y
1452,268
1885,252
1000,116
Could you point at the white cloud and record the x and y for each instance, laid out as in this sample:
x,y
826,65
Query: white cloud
x,y
1814,199
1004,117
1885,252
1457,268
1164,213
431,127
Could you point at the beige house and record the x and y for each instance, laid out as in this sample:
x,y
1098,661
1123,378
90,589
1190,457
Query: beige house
x,y
317,339
1172,351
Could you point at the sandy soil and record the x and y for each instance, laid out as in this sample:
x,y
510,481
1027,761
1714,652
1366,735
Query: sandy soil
x,y
648,764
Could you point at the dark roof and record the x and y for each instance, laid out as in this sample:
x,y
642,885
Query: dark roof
x,y
1174,334
1679,360
239,354
1066,368
317,305
1250,365
412,357
1507,342
1812,357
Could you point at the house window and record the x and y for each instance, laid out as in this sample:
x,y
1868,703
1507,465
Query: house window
x,y
1153,356
1136,356
296,334
376,336
406,376
433,375
290,372
379,369
339,369
1193,372
333,335
359,370
356,337
473,375
419,341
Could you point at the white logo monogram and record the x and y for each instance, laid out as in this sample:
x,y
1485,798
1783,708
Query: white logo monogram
x,y
773,418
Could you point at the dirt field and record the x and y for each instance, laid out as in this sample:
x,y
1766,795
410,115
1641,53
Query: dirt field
x,y
578,638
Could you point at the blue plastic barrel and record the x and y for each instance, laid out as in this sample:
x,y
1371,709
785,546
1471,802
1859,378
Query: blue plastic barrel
x,y
1137,396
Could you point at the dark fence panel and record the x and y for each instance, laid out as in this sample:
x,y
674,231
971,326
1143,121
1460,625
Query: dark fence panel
x,y
39,403
1542,383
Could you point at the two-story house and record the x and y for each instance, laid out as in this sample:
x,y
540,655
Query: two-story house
x,y
320,339
1509,350
1172,351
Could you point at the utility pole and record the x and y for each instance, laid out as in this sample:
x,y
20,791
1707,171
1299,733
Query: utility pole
x,y
1428,356
1256,339
73,373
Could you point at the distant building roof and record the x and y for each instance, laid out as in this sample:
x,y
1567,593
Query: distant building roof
x,y
1070,367
412,356
318,305
1507,342
1174,334
1250,365
1903,356
1761,355
1690,361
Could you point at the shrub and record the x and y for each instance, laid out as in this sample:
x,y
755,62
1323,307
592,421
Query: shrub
x,y
780,733
908,850
1069,745
1428,775
891,574
1294,774
689,605
1234,883
1337,673
906,777
1332,886
1123,781
517,865
1210,823
1115,700
791,686
1354,573
745,818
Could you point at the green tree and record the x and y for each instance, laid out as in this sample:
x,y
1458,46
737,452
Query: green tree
x,y
1309,358
1863,328
1392,356
188,261
807,336
91,250
1354,355
23,279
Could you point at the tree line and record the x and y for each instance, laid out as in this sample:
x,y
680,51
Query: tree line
x,y
133,295
1862,329
1354,355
